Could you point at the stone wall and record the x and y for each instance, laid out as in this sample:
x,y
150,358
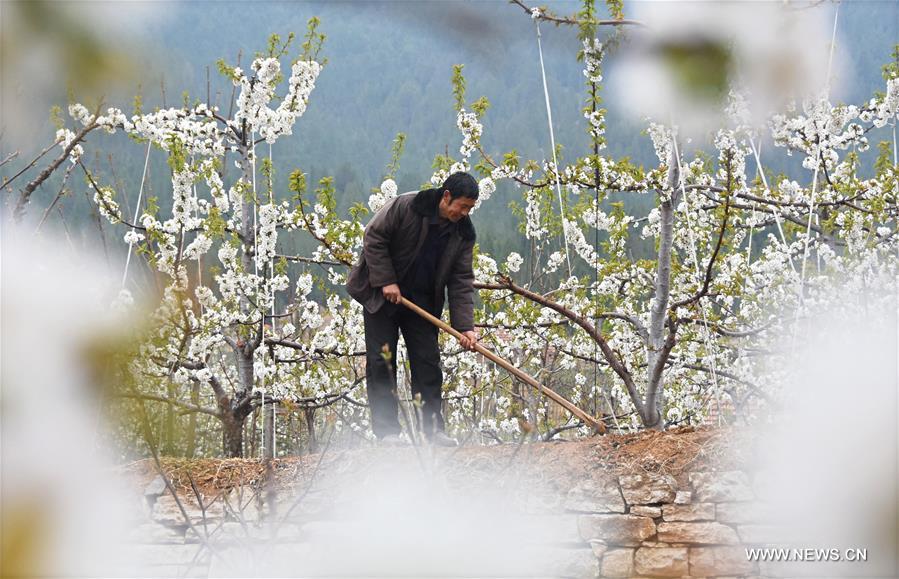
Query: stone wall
x,y
628,525
649,525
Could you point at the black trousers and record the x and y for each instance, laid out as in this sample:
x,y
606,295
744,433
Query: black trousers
x,y
381,336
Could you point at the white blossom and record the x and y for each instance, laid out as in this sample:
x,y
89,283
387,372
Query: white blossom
x,y
132,237
661,141
485,268
65,137
513,262
387,192
486,188
593,53
471,132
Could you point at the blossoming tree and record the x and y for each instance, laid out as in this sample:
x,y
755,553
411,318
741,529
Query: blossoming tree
x,y
675,331
214,332
667,334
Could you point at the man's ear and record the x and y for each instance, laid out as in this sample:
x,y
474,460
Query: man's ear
x,y
447,196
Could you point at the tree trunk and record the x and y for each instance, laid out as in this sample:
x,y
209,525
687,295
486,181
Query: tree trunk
x,y
168,444
657,353
292,435
268,431
236,409
309,414
233,413
192,421
232,435
253,449
245,374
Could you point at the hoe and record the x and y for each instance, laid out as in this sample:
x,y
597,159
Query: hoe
x,y
551,394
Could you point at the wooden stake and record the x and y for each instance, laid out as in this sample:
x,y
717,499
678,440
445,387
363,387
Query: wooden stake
x,y
551,394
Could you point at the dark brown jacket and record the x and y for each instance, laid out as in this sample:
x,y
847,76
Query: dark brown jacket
x,y
390,245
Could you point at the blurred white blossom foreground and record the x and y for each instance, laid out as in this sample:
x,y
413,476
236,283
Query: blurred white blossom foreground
x,y
61,513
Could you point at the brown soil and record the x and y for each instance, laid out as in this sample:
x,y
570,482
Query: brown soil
x,y
559,464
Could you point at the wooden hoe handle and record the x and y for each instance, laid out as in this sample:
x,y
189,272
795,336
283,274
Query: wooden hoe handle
x,y
551,394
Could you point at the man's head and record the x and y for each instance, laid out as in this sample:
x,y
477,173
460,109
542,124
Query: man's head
x,y
460,192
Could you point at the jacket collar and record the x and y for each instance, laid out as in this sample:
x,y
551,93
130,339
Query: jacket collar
x,y
425,204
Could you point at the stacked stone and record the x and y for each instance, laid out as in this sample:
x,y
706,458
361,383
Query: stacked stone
x,y
646,525
636,526
164,543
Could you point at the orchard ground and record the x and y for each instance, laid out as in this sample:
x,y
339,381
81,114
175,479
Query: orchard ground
x,y
558,464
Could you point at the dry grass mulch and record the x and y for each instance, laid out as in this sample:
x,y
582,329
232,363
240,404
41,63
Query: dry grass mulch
x,y
675,452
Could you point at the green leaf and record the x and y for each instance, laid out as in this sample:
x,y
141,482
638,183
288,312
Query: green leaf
x,y
480,106
459,86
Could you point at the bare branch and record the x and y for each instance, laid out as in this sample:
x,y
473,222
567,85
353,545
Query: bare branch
x,y
298,346
550,434
93,183
25,196
154,398
614,360
721,330
574,21
12,156
62,191
31,164
302,259
730,376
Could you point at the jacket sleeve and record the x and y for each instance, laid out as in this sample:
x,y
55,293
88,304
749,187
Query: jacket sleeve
x,y
376,245
460,290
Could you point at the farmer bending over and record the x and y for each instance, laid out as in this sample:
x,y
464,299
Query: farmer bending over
x,y
417,246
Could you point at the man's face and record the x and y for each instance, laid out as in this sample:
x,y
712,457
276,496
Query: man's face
x,y
455,209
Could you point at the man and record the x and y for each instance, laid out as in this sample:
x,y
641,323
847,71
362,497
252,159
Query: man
x,y
418,246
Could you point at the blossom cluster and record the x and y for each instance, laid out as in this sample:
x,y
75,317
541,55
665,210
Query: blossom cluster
x,y
535,228
385,193
65,137
258,91
471,132
593,53
662,138
486,188
823,129
193,128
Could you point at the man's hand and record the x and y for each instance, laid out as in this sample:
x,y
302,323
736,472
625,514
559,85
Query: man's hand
x,y
468,340
392,293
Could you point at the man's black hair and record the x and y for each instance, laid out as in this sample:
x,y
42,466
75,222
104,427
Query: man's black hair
x,y
461,185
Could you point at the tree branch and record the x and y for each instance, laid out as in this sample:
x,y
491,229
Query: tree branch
x,y
321,240
93,183
638,326
59,195
164,400
302,259
12,156
707,279
724,331
33,162
298,346
614,360
574,21
729,376
25,196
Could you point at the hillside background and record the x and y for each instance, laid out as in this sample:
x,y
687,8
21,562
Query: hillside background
x,y
389,69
